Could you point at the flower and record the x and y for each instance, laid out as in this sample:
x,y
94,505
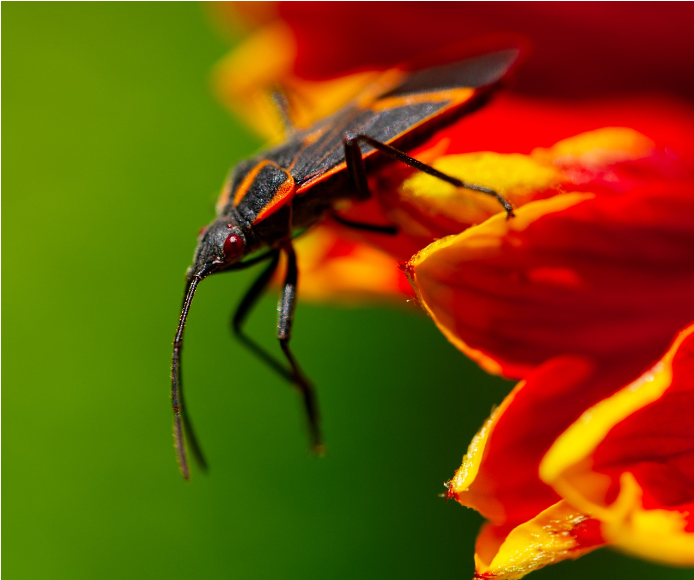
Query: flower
x,y
581,295
555,485
597,261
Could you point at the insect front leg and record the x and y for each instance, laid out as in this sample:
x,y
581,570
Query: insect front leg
x,y
352,141
285,309
244,308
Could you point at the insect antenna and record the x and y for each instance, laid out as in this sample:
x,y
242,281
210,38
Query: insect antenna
x,y
181,420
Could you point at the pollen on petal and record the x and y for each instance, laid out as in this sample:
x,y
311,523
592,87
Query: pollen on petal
x,y
558,533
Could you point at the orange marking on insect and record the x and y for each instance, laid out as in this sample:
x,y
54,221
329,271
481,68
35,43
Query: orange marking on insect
x,y
282,196
305,187
248,181
455,97
452,95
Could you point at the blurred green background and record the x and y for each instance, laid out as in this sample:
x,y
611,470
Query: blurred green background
x,y
113,151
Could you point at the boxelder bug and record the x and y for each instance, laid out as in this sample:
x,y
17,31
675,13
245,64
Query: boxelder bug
x,y
295,184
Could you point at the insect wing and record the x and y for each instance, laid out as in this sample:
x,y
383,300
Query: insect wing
x,y
474,72
395,106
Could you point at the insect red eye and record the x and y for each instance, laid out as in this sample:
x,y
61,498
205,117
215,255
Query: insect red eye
x,y
233,247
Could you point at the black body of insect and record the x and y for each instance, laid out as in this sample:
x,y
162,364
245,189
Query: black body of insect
x,y
293,185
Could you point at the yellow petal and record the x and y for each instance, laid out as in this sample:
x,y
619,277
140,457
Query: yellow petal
x,y
554,535
516,177
243,86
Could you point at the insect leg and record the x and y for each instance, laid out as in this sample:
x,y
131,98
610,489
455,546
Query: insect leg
x,y
376,229
243,310
354,139
279,98
355,165
357,174
285,309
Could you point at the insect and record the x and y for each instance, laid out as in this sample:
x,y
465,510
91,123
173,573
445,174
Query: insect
x,y
292,186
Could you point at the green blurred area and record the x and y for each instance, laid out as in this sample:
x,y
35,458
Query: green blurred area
x,y
113,151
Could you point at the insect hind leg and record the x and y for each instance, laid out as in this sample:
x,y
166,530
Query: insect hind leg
x,y
352,149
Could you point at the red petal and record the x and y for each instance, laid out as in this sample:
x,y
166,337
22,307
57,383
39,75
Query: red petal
x,y
610,278
611,58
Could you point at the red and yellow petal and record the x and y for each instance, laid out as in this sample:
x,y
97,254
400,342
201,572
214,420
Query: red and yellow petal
x,y
499,476
603,276
573,459
558,533
629,460
570,461
530,525
497,148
